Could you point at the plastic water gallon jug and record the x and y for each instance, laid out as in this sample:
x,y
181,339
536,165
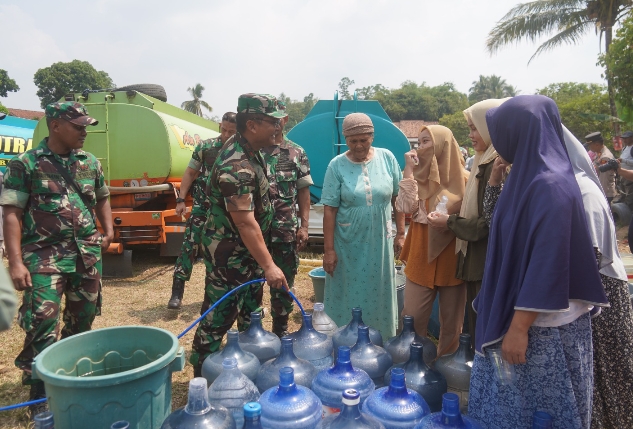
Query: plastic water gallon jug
x,y
263,344
321,321
372,359
456,369
350,416
246,362
252,416
398,346
421,378
44,420
449,417
395,406
232,390
289,406
121,424
199,413
329,383
311,345
542,420
268,374
348,334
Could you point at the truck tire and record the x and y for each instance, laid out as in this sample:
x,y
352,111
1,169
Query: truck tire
x,y
621,214
156,91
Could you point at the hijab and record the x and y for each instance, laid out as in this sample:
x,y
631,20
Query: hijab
x,y
540,253
440,173
599,220
470,207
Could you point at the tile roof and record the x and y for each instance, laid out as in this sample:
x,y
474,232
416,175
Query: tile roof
x,y
26,114
411,129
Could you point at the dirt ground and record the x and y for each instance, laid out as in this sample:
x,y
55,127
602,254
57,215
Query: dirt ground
x,y
140,300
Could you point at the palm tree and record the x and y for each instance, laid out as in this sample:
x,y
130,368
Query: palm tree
x,y
569,20
196,105
490,87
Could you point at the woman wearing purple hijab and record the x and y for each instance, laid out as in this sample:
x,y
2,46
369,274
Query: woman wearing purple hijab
x,y
541,279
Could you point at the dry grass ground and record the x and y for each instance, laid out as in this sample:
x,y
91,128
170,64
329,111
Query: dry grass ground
x,y
140,300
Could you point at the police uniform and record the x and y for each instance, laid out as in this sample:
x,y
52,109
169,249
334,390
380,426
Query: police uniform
x,y
61,247
237,182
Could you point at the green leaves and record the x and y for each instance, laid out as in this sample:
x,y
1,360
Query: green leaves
x,y
195,106
7,84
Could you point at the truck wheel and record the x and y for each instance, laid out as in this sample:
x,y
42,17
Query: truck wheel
x,y
621,214
156,91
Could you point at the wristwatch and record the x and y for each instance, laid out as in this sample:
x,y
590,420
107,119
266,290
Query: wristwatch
x,y
180,200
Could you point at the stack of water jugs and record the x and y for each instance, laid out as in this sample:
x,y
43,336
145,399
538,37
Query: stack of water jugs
x,y
258,381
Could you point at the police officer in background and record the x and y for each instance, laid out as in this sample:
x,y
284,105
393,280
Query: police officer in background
x,y
603,155
53,245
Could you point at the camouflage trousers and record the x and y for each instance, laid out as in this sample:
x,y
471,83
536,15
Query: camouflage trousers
x,y
191,243
39,314
285,257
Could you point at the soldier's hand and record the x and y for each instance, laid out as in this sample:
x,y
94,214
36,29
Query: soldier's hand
x,y
20,276
106,240
330,260
181,208
302,238
275,277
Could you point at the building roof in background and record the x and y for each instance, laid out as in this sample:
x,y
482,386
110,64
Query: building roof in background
x,y
411,129
26,114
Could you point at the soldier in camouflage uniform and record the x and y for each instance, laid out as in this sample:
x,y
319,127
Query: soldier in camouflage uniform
x,y
199,168
238,225
290,180
53,245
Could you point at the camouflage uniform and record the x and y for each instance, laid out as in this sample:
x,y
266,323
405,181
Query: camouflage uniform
x,y
61,246
288,171
202,160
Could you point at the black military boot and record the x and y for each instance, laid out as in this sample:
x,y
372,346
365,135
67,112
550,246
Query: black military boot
x,y
280,326
177,290
37,392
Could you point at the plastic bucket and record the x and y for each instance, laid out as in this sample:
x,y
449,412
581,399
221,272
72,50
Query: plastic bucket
x,y
98,377
318,283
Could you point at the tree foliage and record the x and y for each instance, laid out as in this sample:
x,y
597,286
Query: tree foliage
x,y
195,106
3,109
61,78
459,126
297,110
7,84
619,61
487,87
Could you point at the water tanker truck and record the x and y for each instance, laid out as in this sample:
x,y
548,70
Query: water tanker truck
x,y
144,146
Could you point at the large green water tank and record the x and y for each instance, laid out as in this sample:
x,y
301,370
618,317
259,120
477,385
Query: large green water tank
x,y
139,140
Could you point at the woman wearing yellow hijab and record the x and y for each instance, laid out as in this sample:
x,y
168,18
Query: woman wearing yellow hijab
x,y
432,172
469,225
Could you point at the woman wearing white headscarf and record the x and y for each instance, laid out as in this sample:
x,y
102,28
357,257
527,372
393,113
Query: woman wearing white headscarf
x,y
613,329
469,225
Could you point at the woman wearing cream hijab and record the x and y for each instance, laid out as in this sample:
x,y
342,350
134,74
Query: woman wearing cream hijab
x,y
432,172
469,225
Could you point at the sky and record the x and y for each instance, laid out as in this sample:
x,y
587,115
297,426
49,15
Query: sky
x,y
292,46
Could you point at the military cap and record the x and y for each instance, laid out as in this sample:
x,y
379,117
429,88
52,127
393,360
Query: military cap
x,y
265,104
594,137
71,111
627,135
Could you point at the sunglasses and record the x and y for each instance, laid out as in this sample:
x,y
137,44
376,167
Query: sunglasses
x,y
273,122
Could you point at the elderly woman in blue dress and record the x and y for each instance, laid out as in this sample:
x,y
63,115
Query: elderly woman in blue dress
x,y
359,189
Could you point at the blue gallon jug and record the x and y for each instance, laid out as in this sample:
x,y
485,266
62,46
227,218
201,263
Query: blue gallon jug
x,y
321,321
395,406
199,413
348,334
542,420
246,362
421,378
289,406
449,417
232,390
329,383
252,416
263,344
311,345
268,374
350,416
398,346
372,359
456,369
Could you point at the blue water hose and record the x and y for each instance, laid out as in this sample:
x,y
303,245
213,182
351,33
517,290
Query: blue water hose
x,y
182,334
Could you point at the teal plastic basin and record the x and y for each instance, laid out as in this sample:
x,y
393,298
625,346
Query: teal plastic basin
x,y
99,377
318,283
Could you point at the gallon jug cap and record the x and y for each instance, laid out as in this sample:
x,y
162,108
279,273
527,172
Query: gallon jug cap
x,y
351,397
286,376
343,354
229,363
450,404
252,409
318,306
